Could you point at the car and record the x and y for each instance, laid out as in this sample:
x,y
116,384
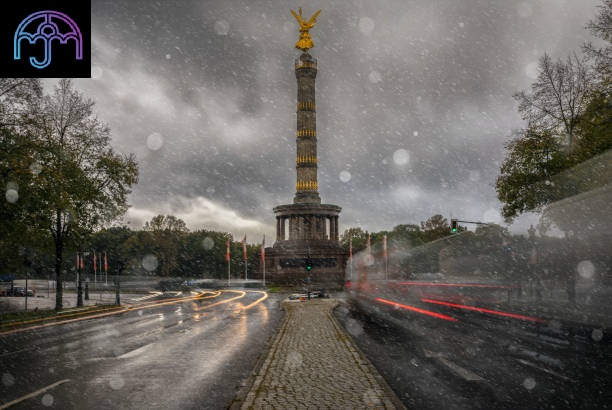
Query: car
x,y
21,291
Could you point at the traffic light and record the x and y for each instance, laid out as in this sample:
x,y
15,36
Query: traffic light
x,y
454,226
308,265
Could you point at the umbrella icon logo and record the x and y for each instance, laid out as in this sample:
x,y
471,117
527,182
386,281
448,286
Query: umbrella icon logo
x,y
47,31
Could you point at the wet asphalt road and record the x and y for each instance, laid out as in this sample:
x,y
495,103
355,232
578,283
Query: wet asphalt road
x,y
172,354
481,361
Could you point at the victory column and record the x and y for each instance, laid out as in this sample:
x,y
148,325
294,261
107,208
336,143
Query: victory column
x,y
307,250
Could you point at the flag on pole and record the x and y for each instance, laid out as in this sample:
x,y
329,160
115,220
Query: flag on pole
x,y
368,246
385,246
263,249
227,252
81,264
351,249
244,250
105,263
78,261
95,262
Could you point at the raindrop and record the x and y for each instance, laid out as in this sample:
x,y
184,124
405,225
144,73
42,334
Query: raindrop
x,y
210,190
531,70
149,262
586,269
116,382
35,168
375,77
525,10
461,24
345,176
12,195
597,335
474,175
354,327
96,72
529,383
222,27
155,141
8,379
555,324
366,25
294,360
401,156
371,399
415,133
168,56
47,400
208,243
368,260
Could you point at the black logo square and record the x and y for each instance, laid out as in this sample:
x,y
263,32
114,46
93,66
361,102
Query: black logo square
x,y
46,39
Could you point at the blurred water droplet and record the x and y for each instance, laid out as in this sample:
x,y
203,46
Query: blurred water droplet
x,y
529,383
149,262
47,400
294,360
8,379
375,77
155,141
586,269
371,398
345,176
401,157
208,243
354,327
116,382
96,72
597,335
366,25
222,27
11,196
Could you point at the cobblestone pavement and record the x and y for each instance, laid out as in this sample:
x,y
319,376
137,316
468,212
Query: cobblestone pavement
x,y
313,364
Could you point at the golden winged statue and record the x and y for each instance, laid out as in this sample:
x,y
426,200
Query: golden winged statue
x,y
305,42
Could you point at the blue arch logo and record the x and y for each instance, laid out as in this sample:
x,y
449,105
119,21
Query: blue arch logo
x,y
47,31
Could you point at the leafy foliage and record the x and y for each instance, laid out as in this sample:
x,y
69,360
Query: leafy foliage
x,y
568,114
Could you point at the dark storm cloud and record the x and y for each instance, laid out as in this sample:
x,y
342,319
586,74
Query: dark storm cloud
x,y
414,102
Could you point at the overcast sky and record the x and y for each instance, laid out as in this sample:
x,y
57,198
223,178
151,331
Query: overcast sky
x,y
414,103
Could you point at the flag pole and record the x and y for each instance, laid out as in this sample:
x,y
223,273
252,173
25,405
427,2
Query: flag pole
x,y
263,258
386,255
244,250
227,258
351,258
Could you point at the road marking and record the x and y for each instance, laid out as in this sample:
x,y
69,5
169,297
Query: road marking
x,y
33,394
135,352
545,370
458,370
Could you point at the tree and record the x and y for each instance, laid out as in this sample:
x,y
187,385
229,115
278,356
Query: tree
x,y
594,128
524,182
83,183
357,236
558,97
602,57
166,231
17,95
434,228
167,223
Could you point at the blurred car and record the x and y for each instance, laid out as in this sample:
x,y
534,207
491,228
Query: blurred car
x,y
21,291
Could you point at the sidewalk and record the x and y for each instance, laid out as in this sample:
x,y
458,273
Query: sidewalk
x,y
313,363
46,301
